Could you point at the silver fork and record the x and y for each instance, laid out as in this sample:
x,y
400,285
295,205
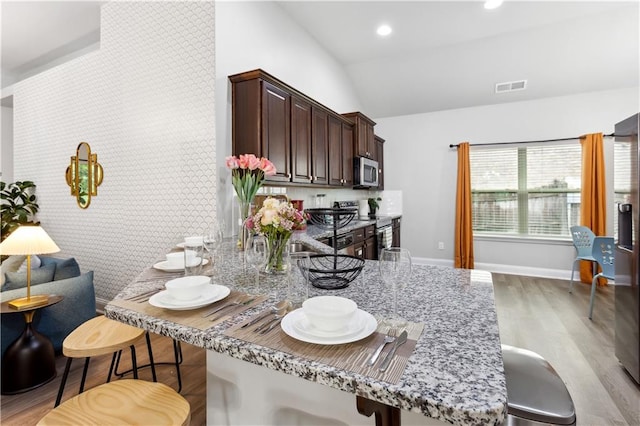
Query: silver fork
x,y
240,302
389,338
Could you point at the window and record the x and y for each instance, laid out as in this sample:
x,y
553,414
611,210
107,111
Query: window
x,y
526,190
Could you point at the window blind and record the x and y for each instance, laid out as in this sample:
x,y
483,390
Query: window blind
x,y
530,190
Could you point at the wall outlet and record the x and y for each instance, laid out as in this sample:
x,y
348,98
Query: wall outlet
x,y
440,245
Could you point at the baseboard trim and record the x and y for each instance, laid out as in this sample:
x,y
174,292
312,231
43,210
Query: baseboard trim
x,y
559,274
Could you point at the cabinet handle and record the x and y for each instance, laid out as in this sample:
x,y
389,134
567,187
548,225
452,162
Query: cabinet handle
x,y
288,175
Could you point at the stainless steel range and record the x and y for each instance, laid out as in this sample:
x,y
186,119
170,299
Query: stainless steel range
x,y
384,230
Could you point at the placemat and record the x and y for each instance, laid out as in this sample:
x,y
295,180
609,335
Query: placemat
x,y
349,356
192,317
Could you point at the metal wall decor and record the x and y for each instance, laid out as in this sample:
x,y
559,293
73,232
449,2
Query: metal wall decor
x,y
84,175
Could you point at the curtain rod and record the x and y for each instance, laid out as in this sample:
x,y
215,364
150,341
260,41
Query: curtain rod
x,y
514,143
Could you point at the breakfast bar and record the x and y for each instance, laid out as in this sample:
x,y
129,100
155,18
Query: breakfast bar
x,y
450,372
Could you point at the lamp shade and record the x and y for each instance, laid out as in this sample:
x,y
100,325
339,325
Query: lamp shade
x,y
28,240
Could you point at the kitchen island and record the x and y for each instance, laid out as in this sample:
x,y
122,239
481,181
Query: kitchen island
x,y
454,374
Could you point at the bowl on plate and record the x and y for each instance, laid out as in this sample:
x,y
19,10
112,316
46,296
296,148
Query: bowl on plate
x,y
329,313
176,259
194,241
187,288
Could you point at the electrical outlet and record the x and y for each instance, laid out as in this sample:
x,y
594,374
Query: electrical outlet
x,y
440,245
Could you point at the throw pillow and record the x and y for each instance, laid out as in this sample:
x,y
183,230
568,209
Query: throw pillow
x,y
10,264
38,276
35,263
67,268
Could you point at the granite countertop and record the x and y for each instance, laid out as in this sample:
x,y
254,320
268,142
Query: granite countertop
x,y
455,373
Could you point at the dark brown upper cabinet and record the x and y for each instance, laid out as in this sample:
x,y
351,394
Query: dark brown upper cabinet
x,y
319,146
301,140
307,142
340,152
363,138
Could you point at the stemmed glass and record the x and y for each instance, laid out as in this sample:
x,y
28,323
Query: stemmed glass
x,y
395,269
255,254
212,240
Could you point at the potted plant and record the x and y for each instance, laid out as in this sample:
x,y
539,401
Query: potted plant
x,y
373,205
18,205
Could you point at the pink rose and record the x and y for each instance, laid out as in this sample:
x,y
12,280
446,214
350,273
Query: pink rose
x,y
249,223
243,161
267,167
231,162
254,162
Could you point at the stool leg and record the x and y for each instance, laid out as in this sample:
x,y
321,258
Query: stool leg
x,y
134,361
63,382
153,366
177,354
84,373
115,360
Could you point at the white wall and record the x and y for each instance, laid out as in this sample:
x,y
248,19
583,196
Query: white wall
x,y
252,35
145,104
6,147
418,160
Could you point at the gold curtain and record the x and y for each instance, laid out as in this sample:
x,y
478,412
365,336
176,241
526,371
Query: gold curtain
x,y
593,203
464,223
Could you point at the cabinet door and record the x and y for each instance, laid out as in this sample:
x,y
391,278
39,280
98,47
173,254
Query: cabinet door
x,y
319,146
335,152
275,131
380,154
362,145
300,140
395,236
370,249
347,154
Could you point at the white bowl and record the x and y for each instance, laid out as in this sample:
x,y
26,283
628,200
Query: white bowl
x,y
194,241
187,288
329,313
176,259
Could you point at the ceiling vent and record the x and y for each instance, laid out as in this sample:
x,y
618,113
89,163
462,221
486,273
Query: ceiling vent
x,y
511,86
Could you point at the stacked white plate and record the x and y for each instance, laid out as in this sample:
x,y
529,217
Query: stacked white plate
x,y
296,325
211,294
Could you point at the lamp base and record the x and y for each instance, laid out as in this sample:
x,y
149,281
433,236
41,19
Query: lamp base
x,y
29,302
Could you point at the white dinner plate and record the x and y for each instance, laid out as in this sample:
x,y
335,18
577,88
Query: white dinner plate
x,y
164,266
296,325
212,294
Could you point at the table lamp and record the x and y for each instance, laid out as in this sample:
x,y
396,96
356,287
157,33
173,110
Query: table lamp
x,y
28,240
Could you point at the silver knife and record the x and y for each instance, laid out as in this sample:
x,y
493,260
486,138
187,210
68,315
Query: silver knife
x,y
399,341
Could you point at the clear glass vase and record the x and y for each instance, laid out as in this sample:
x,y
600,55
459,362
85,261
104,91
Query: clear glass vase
x,y
277,254
245,208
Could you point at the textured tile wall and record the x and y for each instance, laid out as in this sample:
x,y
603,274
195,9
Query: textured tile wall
x,y
145,104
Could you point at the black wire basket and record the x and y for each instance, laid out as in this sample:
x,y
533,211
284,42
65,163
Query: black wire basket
x,y
333,271
330,218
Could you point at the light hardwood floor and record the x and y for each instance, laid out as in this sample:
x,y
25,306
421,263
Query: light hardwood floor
x,y
533,313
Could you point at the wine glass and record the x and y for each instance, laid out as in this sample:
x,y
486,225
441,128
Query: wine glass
x,y
212,240
255,254
395,269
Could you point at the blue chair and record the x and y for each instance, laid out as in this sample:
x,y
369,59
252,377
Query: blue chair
x,y
603,253
583,242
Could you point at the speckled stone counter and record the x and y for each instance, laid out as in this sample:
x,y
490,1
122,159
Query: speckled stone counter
x,y
455,374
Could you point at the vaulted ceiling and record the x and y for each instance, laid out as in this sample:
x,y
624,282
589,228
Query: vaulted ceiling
x,y
440,55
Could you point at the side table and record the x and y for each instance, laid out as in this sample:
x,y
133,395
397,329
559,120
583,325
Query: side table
x,y
30,360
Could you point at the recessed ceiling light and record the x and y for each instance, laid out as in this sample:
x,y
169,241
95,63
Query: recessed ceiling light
x,y
492,4
384,30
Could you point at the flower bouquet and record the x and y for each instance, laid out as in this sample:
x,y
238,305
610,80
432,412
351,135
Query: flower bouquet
x,y
247,176
276,220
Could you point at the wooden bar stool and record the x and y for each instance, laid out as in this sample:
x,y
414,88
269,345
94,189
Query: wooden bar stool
x,y
100,336
123,401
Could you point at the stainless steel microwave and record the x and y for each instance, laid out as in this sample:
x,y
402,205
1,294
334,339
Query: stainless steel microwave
x,y
365,172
